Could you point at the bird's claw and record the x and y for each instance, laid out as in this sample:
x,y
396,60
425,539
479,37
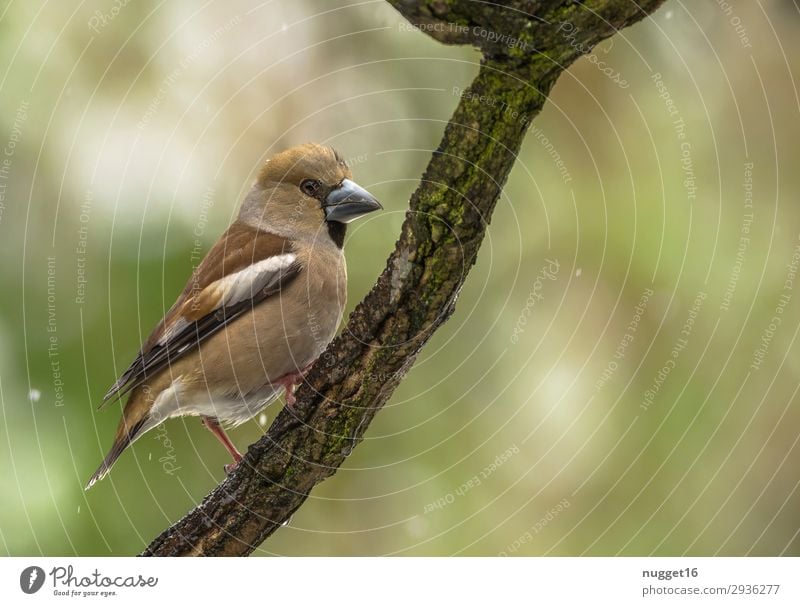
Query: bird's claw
x,y
290,383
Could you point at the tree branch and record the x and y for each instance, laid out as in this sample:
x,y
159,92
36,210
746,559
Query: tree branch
x,y
525,45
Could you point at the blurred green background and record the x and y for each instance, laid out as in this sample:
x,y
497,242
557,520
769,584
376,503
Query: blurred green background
x,y
549,416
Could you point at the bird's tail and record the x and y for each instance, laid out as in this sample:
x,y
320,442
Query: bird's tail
x,y
127,432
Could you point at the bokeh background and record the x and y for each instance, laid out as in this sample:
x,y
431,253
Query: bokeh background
x,y
621,375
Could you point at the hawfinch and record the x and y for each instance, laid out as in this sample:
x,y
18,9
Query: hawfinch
x,y
260,308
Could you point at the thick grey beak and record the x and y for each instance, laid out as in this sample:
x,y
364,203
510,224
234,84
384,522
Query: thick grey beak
x,y
348,202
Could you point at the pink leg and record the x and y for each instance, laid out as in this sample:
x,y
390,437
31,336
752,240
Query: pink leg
x,y
290,381
214,427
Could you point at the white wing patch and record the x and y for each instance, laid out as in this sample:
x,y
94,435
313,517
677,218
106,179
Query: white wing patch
x,y
245,283
239,286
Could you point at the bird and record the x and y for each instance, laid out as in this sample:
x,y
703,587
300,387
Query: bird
x,y
257,311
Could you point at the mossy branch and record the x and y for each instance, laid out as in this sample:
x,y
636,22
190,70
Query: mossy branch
x,y
525,46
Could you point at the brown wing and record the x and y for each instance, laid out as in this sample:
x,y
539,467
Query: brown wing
x,y
243,268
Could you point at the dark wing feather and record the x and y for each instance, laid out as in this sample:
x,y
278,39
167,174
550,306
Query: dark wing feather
x,y
156,358
239,247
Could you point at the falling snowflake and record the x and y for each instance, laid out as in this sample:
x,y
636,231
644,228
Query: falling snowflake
x,y
262,420
34,395
578,272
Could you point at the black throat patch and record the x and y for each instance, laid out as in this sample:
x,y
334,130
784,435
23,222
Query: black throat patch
x,y
337,231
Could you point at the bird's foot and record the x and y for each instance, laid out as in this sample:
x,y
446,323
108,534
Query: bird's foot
x,y
231,466
214,427
290,381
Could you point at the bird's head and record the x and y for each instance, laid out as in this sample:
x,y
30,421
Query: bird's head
x,y
305,188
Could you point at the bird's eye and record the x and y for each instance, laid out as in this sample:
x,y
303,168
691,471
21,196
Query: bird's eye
x,y
309,187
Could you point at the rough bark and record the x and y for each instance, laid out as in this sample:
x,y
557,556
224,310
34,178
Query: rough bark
x,y
525,46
